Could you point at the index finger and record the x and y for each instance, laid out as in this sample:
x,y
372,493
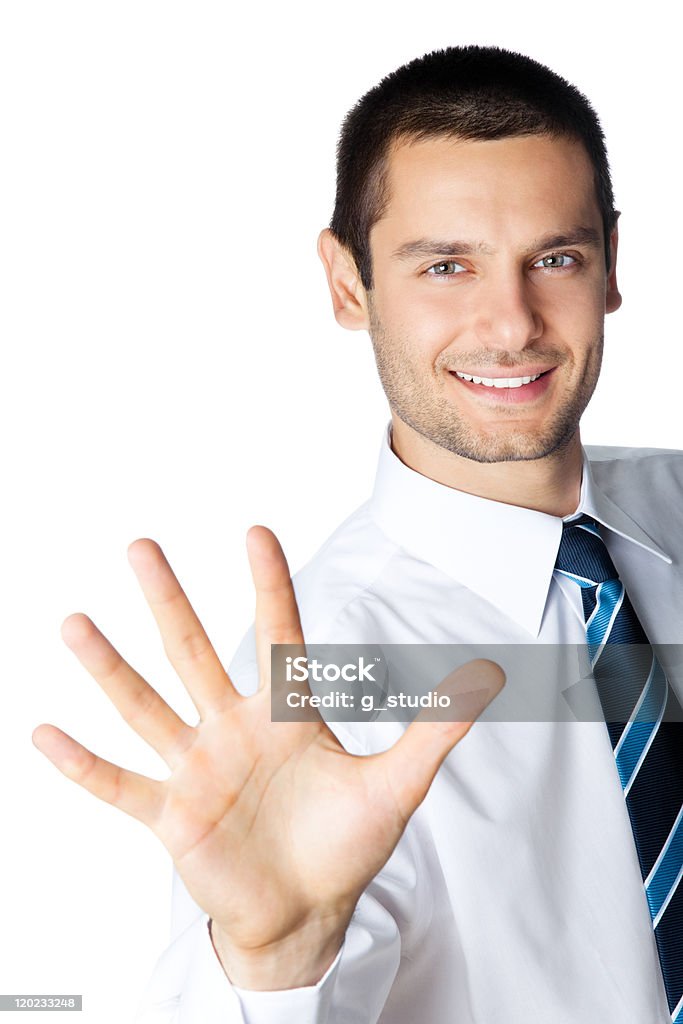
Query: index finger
x,y
277,613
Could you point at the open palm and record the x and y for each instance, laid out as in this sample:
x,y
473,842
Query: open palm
x,y
274,828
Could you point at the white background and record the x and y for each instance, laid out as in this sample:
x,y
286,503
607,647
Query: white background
x,y
171,367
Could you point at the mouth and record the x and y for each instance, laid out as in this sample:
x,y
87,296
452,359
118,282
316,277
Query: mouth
x,y
528,387
500,382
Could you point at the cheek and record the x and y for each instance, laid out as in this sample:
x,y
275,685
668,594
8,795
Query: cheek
x,y
573,323
576,303
431,316
416,320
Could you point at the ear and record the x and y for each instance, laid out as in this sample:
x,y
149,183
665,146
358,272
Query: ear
x,y
612,294
349,298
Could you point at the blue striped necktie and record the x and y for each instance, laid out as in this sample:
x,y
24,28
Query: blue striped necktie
x,y
643,717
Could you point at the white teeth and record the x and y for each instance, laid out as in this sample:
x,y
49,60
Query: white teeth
x,y
498,382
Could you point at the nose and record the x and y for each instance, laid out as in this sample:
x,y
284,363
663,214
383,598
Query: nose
x,y
506,318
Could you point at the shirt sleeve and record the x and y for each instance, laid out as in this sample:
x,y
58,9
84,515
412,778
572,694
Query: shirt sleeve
x,y
389,923
189,984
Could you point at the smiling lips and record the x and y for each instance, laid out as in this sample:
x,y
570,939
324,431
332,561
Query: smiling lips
x,y
522,390
498,382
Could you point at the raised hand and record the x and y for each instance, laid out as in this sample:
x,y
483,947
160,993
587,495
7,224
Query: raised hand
x,y
274,828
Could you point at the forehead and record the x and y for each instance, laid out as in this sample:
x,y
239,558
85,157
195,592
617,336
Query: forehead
x,y
521,186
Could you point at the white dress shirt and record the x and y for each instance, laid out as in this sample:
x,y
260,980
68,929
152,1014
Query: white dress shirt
x,y
515,892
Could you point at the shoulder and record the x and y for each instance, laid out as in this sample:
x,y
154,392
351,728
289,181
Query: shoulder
x,y
646,484
342,570
338,576
616,453
628,465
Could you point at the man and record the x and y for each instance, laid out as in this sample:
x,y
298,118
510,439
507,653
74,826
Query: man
x,y
523,875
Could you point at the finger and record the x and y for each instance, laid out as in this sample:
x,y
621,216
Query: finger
x,y
134,794
412,763
277,614
186,644
139,704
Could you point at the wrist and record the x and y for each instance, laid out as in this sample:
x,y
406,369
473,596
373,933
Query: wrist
x,y
298,960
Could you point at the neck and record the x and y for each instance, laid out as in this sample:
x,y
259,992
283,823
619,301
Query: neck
x,y
551,484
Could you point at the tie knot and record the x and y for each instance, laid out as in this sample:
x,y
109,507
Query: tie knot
x,y
583,555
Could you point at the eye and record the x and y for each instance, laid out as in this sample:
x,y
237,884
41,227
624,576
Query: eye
x,y
445,269
556,261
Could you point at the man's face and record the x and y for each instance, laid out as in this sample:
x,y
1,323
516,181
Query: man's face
x,y
489,269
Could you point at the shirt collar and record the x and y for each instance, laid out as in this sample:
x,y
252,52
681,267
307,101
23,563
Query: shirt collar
x,y
595,503
504,553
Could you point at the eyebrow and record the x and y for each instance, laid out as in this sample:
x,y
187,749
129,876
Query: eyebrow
x,y
430,247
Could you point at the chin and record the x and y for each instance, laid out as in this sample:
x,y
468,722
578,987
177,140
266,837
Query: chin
x,y
506,447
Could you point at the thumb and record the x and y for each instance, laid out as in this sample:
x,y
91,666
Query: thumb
x,y
415,759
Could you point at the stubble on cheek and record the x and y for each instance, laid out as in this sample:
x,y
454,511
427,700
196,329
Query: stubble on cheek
x,y
418,393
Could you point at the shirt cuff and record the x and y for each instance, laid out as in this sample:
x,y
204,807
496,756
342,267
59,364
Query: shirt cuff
x,y
309,1005
207,994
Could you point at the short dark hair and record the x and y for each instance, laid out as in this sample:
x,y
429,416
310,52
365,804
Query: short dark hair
x,y
472,92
